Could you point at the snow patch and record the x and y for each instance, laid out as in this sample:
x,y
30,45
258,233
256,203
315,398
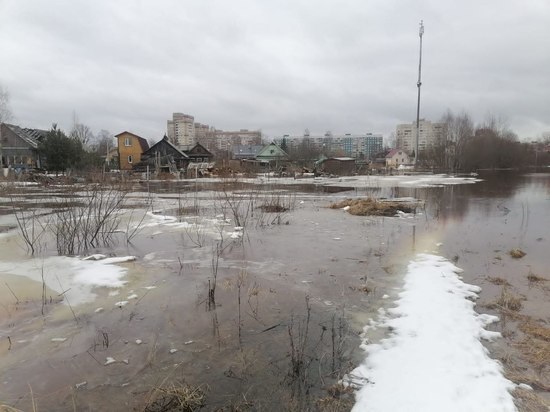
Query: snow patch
x,y
77,277
433,360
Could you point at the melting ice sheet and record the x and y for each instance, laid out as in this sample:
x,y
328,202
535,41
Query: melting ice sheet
x,y
72,274
434,359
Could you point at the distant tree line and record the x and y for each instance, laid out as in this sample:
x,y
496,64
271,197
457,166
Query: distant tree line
x,y
490,145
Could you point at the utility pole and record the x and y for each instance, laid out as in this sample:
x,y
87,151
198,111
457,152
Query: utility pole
x,y
418,84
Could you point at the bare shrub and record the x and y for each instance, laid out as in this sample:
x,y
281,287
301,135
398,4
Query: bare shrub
x,y
507,301
533,278
275,205
495,280
79,228
31,228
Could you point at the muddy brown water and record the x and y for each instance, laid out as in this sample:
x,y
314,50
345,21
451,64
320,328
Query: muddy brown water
x,y
345,267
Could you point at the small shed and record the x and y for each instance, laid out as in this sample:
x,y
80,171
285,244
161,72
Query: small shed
x,y
341,166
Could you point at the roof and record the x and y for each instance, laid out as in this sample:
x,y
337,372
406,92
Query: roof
x,y
272,152
167,142
198,149
394,151
246,150
142,142
342,159
30,136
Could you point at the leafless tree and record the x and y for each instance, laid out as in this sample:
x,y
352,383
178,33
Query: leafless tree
x,y
457,130
105,141
81,132
5,109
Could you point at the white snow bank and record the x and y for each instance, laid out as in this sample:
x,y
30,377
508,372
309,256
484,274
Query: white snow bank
x,y
76,277
433,360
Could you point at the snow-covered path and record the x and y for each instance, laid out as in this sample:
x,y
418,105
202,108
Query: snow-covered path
x,y
434,359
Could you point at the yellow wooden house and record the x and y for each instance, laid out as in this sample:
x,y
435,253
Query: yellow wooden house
x,y
130,149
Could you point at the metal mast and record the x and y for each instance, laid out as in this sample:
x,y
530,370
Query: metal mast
x,y
418,84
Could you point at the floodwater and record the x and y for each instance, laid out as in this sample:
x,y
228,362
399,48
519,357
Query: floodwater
x,y
293,289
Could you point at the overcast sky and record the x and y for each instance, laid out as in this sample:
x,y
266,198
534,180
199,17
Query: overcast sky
x,y
281,66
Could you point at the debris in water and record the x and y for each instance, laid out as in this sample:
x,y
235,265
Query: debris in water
x,y
59,339
373,207
109,360
120,259
139,341
81,385
189,342
98,310
173,350
517,253
97,256
121,303
132,296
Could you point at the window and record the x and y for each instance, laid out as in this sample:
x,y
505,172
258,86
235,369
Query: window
x,y
127,142
130,159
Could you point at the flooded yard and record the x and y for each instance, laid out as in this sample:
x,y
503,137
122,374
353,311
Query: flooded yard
x,y
252,294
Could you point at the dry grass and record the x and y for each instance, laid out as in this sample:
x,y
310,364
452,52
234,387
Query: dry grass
x,y
177,397
363,288
538,331
528,401
507,301
274,208
517,253
531,277
495,280
373,207
536,352
6,408
340,398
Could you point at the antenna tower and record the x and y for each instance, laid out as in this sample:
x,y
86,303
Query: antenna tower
x,y
418,84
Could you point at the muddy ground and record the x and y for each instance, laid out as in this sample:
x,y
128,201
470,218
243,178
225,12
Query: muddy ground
x,y
291,298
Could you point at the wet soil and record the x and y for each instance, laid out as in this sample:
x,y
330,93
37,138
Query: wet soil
x,y
311,280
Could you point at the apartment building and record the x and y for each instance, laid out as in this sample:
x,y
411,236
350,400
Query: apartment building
x,y
184,132
181,130
429,134
351,145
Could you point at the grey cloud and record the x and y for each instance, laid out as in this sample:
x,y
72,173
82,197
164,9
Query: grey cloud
x,y
280,66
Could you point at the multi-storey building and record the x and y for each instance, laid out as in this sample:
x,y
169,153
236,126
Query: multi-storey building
x,y
350,145
429,134
181,130
185,133
226,140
